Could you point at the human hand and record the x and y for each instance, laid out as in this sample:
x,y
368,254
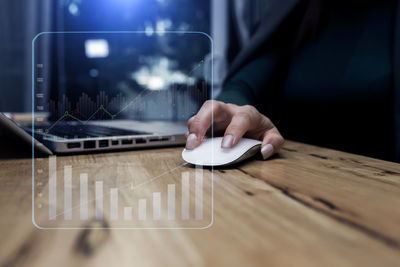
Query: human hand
x,y
233,122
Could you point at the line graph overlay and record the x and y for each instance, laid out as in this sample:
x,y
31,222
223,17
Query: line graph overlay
x,y
145,92
94,190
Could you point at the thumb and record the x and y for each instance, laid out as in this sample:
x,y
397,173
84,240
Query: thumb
x,y
272,143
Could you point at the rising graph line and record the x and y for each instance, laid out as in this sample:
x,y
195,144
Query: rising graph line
x,y
101,108
105,110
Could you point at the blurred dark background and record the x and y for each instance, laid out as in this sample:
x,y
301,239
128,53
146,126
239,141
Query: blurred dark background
x,y
230,23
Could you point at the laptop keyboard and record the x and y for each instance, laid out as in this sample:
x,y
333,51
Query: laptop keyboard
x,y
86,131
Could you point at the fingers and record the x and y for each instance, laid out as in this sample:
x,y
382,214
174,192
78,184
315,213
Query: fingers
x,y
199,124
247,118
237,121
271,143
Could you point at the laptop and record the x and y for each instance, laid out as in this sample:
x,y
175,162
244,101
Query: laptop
x,y
73,137
99,91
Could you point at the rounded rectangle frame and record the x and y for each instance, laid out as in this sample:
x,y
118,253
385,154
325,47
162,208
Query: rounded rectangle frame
x,y
33,122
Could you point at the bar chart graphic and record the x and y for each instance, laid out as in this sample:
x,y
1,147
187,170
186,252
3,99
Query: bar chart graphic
x,y
129,190
132,197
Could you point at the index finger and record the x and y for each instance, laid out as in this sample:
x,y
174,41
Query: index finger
x,y
211,111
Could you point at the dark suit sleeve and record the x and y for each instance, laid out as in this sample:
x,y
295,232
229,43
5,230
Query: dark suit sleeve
x,y
247,85
258,69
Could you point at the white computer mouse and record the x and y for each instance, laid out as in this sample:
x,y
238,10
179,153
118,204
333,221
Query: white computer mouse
x,y
210,153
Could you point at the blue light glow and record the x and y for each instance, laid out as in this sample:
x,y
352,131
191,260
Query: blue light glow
x,y
96,48
73,9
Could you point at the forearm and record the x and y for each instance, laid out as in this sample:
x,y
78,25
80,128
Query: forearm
x,y
248,84
237,92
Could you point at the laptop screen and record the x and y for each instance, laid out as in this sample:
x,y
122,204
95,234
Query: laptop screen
x,y
145,76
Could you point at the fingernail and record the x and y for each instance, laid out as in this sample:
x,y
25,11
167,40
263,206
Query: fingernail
x,y
227,141
191,141
267,151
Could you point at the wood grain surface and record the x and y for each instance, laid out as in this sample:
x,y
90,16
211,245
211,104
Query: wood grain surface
x,y
307,206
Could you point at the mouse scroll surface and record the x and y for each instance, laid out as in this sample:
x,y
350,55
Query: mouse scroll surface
x,y
210,153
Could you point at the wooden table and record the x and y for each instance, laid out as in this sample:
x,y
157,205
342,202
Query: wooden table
x,y
308,206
